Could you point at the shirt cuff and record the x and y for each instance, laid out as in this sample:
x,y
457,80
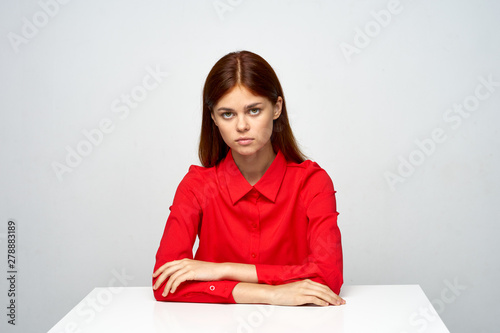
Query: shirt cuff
x,y
223,289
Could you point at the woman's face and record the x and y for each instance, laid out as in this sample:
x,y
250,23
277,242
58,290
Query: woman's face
x,y
245,120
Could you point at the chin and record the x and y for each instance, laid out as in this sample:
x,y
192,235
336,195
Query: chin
x,y
245,151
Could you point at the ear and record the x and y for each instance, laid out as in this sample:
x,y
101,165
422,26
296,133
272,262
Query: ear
x,y
213,118
277,108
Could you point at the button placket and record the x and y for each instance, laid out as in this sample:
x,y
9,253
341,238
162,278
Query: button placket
x,y
255,228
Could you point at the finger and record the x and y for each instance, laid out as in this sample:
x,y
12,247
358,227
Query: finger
x,y
323,292
327,299
165,266
335,300
169,270
175,280
316,300
320,295
333,296
181,278
159,270
161,279
168,285
340,299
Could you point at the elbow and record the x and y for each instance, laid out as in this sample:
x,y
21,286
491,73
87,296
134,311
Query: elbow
x,y
158,296
158,292
334,281
333,285
336,284
336,287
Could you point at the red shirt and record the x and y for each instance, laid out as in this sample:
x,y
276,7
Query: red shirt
x,y
285,225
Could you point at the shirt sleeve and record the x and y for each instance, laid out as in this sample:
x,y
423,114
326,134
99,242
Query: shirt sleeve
x,y
324,262
177,243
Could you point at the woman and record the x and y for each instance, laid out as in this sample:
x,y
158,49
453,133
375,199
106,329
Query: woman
x,y
266,218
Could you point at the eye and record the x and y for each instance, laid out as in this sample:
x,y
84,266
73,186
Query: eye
x,y
254,111
227,115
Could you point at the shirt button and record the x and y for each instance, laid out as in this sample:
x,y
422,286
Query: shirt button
x,y
212,288
254,255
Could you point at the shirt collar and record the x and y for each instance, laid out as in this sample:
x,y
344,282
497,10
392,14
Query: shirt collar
x,y
268,185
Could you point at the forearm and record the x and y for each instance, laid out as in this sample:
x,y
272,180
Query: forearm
x,y
239,272
330,275
252,293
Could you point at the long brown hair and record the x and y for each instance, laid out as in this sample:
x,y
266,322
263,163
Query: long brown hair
x,y
254,73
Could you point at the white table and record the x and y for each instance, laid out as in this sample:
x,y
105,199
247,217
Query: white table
x,y
369,309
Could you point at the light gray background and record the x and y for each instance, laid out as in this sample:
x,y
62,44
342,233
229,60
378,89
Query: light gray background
x,y
357,116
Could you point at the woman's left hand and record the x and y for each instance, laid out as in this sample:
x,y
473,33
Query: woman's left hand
x,y
178,271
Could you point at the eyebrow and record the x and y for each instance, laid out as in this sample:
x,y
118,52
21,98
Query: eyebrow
x,y
246,107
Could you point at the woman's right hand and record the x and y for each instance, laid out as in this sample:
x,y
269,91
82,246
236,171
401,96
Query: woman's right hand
x,y
304,292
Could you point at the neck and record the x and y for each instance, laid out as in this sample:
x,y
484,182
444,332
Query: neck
x,y
254,166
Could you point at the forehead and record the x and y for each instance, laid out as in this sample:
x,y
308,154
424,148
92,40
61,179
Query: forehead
x,y
239,96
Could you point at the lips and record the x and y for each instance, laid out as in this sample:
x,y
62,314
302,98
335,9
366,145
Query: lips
x,y
244,141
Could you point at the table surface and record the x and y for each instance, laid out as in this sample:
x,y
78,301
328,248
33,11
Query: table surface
x,y
369,309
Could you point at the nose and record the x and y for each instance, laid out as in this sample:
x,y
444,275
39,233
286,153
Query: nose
x,y
242,124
